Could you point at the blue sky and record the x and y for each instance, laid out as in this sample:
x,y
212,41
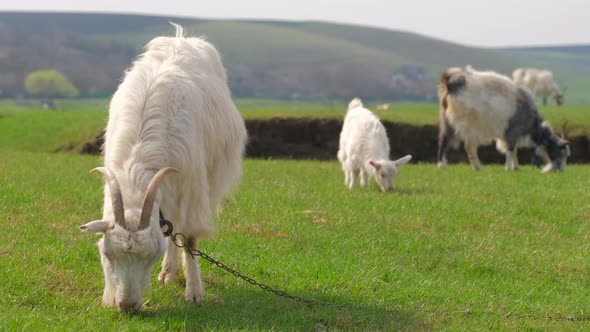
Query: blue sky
x,y
471,22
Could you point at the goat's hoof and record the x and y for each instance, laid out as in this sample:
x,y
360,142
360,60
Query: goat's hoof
x,y
195,295
166,277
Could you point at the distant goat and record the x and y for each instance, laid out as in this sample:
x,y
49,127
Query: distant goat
x,y
539,82
482,106
172,113
364,149
383,107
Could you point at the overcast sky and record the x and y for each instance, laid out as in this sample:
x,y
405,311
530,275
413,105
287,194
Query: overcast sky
x,y
471,22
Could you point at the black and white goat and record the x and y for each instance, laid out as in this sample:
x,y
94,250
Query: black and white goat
x,y
482,106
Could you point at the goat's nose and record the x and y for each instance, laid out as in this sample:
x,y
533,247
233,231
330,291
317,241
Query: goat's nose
x,y
126,305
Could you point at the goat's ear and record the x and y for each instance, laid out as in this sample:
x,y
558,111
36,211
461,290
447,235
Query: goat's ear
x,y
96,226
375,164
403,160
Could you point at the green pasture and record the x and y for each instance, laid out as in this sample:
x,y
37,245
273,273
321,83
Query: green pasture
x,y
448,249
85,118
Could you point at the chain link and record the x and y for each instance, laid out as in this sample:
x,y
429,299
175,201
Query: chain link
x,y
179,240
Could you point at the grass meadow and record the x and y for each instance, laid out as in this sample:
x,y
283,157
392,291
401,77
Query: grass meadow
x,y
448,249
90,114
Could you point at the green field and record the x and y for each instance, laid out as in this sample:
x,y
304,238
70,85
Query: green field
x,y
448,249
85,117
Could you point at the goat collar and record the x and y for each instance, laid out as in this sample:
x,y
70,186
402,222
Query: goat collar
x,y
165,225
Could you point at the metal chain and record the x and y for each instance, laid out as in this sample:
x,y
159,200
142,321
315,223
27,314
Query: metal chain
x,y
180,241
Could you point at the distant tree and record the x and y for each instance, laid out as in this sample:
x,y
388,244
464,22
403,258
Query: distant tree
x,y
49,84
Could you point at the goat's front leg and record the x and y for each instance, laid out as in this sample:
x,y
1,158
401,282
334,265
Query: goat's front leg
x,y
542,153
195,292
346,178
169,264
108,296
511,160
354,175
364,177
472,155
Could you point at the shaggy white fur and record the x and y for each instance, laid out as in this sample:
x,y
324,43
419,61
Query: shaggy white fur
x,y
173,109
539,82
364,149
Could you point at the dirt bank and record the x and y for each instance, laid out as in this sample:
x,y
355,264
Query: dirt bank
x,y
304,138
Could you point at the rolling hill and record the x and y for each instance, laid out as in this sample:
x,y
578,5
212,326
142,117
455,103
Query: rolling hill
x,y
308,60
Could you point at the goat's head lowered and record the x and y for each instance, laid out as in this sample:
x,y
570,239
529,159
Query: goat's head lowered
x,y
385,171
559,95
130,246
555,149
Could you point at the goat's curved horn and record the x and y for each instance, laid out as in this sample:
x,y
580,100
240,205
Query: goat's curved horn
x,y
150,196
116,197
564,130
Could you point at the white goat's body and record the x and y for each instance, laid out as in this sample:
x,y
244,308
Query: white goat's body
x,y
540,82
173,109
363,138
383,107
364,144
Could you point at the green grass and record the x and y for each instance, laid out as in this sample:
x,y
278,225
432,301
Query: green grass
x,y
79,120
577,116
449,249
86,104
413,113
39,130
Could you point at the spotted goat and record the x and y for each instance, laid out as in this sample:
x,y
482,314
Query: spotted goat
x,y
478,107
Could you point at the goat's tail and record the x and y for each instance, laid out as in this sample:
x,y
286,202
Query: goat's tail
x,y
179,29
356,102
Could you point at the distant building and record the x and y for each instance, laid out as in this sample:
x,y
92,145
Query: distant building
x,y
412,81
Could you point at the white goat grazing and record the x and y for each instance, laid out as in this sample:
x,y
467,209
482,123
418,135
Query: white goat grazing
x,y
383,107
172,113
482,106
540,83
364,149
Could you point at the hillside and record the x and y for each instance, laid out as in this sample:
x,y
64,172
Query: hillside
x,y
309,60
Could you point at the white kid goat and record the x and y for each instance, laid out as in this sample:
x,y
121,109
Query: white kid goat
x,y
364,149
173,112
